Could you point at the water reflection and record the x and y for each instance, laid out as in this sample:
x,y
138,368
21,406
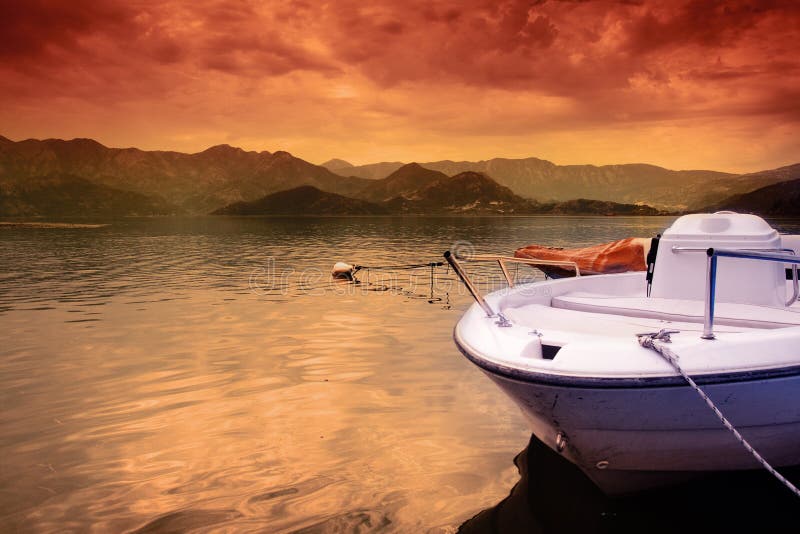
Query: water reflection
x,y
144,384
552,495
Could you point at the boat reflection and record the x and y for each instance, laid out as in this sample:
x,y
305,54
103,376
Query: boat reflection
x,y
553,495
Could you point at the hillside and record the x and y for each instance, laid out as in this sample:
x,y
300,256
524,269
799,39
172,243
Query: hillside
x,y
374,171
337,165
404,182
632,183
467,192
582,206
781,199
197,182
303,200
66,195
222,175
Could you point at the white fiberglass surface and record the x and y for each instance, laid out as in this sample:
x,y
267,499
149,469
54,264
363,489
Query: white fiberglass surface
x,y
605,344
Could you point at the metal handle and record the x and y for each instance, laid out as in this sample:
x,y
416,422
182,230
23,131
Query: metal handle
x,y
451,259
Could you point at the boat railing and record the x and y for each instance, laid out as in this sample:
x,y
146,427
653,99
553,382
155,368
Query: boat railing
x,y
501,261
781,256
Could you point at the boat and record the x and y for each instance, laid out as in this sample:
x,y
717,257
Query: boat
x,y
610,370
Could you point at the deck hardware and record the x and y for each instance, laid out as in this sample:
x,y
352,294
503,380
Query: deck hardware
x,y
661,335
561,441
502,321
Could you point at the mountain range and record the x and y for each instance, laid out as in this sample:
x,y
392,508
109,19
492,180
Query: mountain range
x,y
781,199
66,195
305,199
193,183
424,192
45,177
631,183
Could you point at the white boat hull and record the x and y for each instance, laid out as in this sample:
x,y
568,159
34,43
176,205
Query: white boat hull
x,y
567,352
640,436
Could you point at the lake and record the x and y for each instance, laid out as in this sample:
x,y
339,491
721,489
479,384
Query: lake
x,y
206,373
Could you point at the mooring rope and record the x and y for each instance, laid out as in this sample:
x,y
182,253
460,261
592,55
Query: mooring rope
x,y
650,341
399,267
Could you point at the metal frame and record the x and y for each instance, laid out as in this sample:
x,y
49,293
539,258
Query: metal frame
x,y
501,261
774,255
711,277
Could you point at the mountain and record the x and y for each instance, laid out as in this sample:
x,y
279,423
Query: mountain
x,y
781,199
403,182
303,200
467,192
222,175
336,165
630,183
67,195
374,171
198,183
769,177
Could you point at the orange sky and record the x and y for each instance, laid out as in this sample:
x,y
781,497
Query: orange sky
x,y
699,84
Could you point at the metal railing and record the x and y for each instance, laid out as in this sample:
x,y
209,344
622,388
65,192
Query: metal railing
x,y
782,256
711,277
501,261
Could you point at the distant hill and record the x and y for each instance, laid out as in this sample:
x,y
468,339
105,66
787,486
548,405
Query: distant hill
x,y
632,183
467,192
583,206
222,175
303,200
67,195
404,182
374,171
336,165
198,183
781,199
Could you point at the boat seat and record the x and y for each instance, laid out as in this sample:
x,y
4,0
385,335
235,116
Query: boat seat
x,y
690,311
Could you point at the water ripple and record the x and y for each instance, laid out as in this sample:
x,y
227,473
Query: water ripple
x,y
147,386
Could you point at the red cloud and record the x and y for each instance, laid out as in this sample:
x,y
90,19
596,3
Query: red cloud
x,y
568,48
323,66
100,36
32,29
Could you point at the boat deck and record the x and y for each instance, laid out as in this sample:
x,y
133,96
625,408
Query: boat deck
x,y
679,310
625,313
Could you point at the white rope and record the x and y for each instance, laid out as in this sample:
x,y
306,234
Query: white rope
x,y
649,341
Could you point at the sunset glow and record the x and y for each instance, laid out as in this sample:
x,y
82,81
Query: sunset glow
x,y
698,84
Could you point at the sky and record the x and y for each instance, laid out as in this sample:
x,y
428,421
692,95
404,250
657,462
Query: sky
x,y
700,84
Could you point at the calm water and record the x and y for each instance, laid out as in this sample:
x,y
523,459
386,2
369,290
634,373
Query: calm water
x,y
178,374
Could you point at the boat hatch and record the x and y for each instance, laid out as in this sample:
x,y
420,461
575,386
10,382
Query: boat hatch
x,y
549,351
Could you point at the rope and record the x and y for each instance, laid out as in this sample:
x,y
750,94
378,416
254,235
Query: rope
x,y
398,267
649,341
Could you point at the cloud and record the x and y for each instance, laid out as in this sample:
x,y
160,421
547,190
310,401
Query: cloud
x,y
144,42
377,74
32,29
